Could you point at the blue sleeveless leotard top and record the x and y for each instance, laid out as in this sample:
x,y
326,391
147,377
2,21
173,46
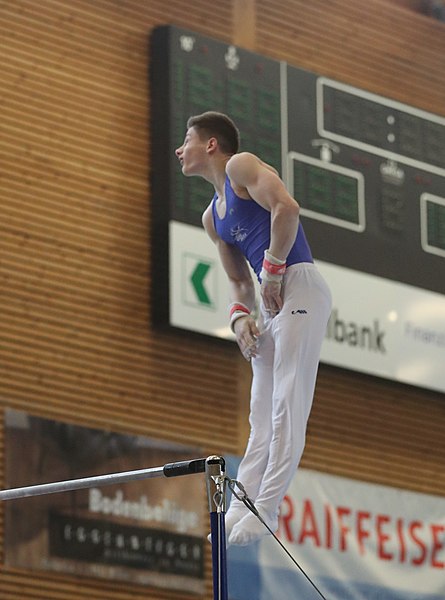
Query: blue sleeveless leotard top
x,y
246,225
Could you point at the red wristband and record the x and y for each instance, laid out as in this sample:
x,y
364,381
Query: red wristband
x,y
274,269
238,307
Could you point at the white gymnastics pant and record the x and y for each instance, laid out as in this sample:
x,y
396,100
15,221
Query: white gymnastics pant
x,y
284,376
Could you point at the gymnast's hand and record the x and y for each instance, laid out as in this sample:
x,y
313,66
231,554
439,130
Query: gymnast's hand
x,y
247,334
271,296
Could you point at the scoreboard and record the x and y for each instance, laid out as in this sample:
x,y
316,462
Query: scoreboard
x,y
375,194
367,171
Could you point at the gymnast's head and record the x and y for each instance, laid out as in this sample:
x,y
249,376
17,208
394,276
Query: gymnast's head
x,y
218,125
210,134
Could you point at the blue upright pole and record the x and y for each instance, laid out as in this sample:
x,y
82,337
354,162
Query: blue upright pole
x,y
216,491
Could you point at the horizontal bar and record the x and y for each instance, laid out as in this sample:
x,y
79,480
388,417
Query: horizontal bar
x,y
187,467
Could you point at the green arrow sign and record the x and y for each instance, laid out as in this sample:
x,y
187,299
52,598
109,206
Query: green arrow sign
x,y
197,279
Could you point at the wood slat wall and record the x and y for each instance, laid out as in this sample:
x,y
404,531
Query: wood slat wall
x,y
77,343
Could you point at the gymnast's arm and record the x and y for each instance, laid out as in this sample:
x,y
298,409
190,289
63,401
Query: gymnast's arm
x,y
264,186
241,286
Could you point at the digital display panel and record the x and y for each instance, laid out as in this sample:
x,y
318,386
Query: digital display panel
x,y
386,126
433,224
328,192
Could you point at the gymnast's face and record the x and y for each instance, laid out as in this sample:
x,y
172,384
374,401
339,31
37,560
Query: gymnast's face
x,y
193,153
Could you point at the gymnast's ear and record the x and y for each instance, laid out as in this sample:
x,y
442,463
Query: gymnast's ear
x,y
212,145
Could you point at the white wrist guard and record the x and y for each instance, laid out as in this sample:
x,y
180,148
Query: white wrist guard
x,y
236,311
273,268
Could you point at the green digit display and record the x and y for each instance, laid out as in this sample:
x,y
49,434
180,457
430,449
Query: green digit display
x,y
269,110
366,119
372,121
239,100
319,190
200,87
326,192
435,143
346,115
346,205
436,225
178,80
410,136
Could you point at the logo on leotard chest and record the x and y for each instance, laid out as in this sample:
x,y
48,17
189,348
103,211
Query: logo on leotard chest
x,y
238,233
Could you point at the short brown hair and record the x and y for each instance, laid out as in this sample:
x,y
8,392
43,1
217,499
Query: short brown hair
x,y
220,126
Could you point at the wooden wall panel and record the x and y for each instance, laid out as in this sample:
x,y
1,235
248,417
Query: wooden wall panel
x,y
76,218
375,45
77,342
379,431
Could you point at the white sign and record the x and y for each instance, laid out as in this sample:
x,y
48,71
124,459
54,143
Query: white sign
x,y
385,328
199,294
377,326
355,540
